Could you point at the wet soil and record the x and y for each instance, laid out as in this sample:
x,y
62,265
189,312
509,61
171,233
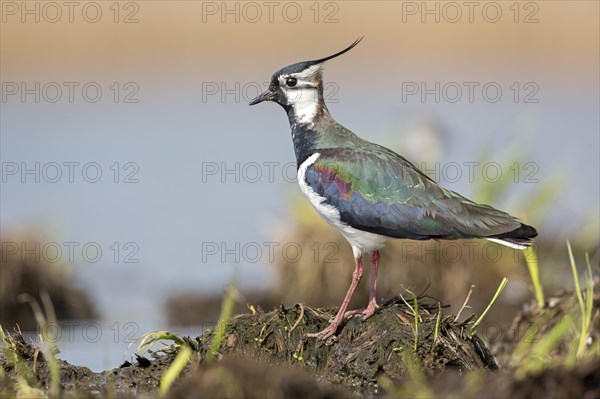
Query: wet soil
x,y
355,359
266,354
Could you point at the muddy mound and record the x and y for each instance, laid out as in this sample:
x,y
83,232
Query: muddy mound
x,y
360,355
363,351
402,351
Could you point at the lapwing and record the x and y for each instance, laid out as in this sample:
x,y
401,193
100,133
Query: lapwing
x,y
369,192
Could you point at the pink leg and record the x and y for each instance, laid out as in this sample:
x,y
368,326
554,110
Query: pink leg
x,y
337,320
372,307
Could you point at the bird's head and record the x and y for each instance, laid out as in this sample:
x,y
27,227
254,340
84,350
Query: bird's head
x,y
298,88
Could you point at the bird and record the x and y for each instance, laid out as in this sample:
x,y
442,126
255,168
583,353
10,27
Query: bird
x,y
369,192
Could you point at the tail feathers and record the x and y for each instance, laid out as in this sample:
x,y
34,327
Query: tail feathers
x,y
509,243
520,238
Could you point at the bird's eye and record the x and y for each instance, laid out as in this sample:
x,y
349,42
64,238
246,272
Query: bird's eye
x,y
291,82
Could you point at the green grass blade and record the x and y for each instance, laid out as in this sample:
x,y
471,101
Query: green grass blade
x,y
489,306
575,277
175,369
533,266
586,306
438,322
415,312
226,313
46,348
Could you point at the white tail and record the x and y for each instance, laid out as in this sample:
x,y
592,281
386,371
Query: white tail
x,y
508,244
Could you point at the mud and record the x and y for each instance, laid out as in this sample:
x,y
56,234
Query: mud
x,y
266,354
363,351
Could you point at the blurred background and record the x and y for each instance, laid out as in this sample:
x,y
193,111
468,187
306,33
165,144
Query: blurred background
x,y
137,183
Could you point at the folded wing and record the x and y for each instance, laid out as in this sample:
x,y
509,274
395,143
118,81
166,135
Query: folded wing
x,y
383,193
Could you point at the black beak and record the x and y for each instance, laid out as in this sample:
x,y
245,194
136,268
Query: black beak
x,y
266,96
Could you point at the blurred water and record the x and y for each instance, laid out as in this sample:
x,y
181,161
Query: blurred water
x,y
101,345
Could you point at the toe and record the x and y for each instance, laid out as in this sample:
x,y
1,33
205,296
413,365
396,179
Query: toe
x,y
352,313
326,333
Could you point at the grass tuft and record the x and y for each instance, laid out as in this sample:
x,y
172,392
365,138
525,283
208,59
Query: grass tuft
x,y
24,390
174,370
150,338
226,313
585,305
48,349
11,356
185,352
415,312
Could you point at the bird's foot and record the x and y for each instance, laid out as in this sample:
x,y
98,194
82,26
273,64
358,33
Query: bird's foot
x,y
327,332
370,310
365,313
335,322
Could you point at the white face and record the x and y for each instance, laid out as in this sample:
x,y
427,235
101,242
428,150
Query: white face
x,y
302,93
